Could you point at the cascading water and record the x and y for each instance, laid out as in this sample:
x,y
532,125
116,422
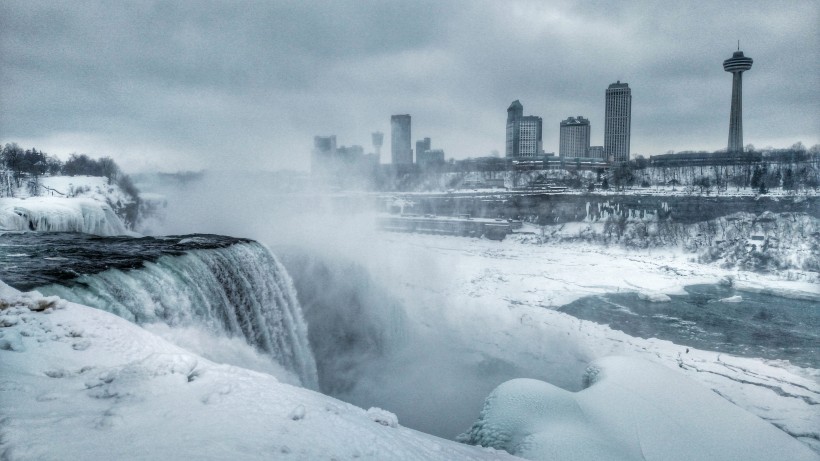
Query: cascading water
x,y
229,287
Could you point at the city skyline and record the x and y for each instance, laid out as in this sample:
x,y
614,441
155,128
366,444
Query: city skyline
x,y
179,86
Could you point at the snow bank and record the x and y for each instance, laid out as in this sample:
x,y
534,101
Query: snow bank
x,y
57,214
89,385
633,410
806,291
732,299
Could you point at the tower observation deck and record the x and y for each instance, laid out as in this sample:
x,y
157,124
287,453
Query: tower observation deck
x,y
737,64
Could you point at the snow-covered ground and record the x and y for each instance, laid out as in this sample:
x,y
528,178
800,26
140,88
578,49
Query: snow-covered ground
x,y
80,383
68,204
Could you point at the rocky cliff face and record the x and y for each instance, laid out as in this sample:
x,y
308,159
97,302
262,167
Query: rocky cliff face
x,y
544,209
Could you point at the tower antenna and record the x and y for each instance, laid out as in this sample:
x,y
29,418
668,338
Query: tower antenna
x,y
738,45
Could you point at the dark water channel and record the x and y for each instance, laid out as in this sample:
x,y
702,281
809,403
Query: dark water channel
x,y
760,325
32,259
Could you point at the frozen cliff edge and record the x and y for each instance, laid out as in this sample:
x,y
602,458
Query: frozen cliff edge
x,y
85,384
59,214
202,289
632,409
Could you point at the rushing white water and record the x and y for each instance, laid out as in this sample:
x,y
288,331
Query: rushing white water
x,y
237,291
49,214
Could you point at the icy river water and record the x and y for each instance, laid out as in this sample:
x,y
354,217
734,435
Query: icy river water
x,y
717,318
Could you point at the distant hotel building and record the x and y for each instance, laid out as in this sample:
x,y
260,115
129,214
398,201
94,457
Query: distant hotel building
x,y
422,146
430,158
338,164
523,133
574,138
400,150
618,122
324,151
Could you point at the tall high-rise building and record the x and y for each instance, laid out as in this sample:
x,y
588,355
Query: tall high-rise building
x,y
618,122
737,64
574,137
400,149
523,133
422,146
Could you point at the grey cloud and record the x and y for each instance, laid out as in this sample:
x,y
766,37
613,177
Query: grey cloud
x,y
254,81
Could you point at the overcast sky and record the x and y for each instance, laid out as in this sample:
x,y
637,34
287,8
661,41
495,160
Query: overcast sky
x,y
239,85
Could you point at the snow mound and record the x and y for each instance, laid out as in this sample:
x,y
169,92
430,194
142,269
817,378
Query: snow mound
x,y
57,214
383,417
732,299
632,410
89,385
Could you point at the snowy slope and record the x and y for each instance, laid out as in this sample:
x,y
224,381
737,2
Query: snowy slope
x,y
94,187
58,214
87,204
80,383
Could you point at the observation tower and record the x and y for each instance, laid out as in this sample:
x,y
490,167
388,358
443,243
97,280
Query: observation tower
x,y
737,64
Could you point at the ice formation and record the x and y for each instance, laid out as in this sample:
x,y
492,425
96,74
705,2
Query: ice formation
x,y
236,291
50,214
632,410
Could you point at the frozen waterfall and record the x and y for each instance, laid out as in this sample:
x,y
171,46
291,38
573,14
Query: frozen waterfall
x,y
239,291
49,214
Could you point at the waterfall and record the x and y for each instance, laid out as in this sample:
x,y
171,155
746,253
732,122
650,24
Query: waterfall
x,y
239,290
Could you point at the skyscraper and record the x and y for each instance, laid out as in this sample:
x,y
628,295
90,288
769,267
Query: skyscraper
x,y
737,64
574,138
400,149
523,133
618,121
422,146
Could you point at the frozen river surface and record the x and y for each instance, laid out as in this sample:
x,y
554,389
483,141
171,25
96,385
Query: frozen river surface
x,y
715,318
